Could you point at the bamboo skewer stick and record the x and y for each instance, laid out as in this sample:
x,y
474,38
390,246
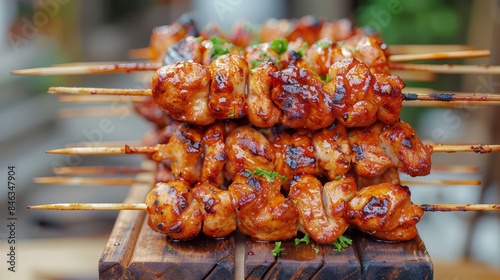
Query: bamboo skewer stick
x,y
143,206
100,99
147,92
86,170
448,68
436,148
90,69
439,55
127,67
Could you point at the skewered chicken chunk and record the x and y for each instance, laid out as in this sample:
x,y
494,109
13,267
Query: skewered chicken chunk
x,y
385,209
263,212
261,110
184,152
308,195
301,96
408,153
247,149
294,154
332,150
182,90
228,86
173,211
214,156
219,215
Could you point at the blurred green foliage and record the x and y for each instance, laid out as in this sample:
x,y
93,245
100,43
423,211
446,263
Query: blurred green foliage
x,y
418,22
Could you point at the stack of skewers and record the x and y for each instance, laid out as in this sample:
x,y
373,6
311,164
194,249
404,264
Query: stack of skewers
x,y
297,134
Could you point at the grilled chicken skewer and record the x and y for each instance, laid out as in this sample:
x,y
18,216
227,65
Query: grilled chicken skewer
x,y
191,154
254,204
190,92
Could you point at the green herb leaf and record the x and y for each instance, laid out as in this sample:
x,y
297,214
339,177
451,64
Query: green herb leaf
x,y
306,239
302,49
341,243
338,177
328,78
279,45
269,175
277,250
198,39
323,44
255,63
170,248
232,115
316,250
219,47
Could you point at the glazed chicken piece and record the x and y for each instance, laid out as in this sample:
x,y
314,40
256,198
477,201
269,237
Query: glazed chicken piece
x,y
165,36
335,195
322,55
151,112
306,28
301,97
368,49
263,212
261,110
391,175
219,215
338,30
184,152
182,90
163,172
385,209
173,211
368,158
228,92
408,153
274,29
388,97
247,149
214,156
352,86
307,193
332,150
294,154
189,48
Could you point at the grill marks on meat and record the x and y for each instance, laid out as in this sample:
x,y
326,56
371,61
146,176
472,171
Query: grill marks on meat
x,y
294,96
220,151
307,193
263,212
385,211
301,97
182,90
173,211
228,92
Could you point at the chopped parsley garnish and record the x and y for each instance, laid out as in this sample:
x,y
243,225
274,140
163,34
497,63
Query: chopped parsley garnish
x,y
306,239
326,78
279,45
170,248
323,44
302,49
316,250
198,39
232,115
277,249
219,47
341,243
338,177
269,175
256,63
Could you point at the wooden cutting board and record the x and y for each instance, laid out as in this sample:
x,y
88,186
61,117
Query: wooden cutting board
x,y
134,251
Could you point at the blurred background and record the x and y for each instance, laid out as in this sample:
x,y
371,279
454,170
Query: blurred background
x,y
42,33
